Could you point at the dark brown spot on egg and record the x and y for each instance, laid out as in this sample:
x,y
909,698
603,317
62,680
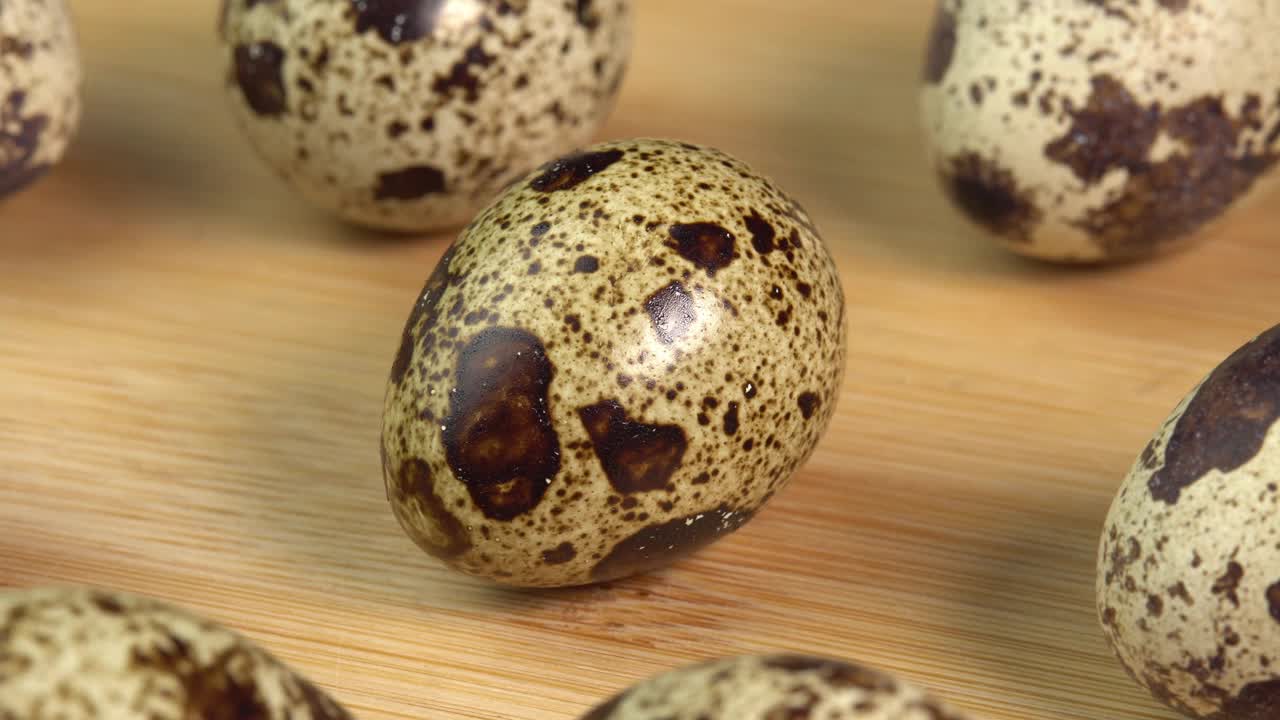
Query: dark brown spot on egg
x,y
1225,423
1257,701
222,688
636,456
1155,605
799,704
422,318
413,483
834,674
731,419
586,264
106,603
397,21
990,196
808,403
1163,200
1174,5
671,311
462,76
1229,583
658,545
942,45
411,183
586,15
1179,591
570,171
19,138
560,554
259,71
1111,132
1109,617
707,245
498,437
762,233
1113,8
1273,600
15,47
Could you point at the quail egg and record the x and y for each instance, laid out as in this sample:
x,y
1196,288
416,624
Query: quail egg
x,y
84,653
39,89
1189,563
410,115
618,362
765,687
1105,130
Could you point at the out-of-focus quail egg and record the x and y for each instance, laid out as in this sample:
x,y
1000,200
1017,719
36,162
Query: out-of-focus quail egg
x,y
619,361
1189,563
774,686
39,89
1104,130
84,654
412,114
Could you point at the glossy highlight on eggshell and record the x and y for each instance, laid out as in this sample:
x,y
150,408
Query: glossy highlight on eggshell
x,y
410,115
1188,585
85,653
1101,131
617,363
40,78
765,687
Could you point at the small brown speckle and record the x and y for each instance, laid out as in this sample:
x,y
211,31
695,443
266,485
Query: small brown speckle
x,y
559,555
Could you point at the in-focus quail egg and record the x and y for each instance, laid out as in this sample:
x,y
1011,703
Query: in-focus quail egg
x,y
84,654
412,114
1189,564
619,361
39,89
765,687
1104,130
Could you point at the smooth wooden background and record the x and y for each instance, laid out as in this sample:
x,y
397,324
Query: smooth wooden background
x,y
193,361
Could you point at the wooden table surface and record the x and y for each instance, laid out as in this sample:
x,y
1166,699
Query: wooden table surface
x,y
193,367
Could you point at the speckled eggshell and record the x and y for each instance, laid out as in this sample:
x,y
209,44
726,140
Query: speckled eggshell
x,y
774,686
1101,130
39,89
412,114
618,362
88,654
1189,563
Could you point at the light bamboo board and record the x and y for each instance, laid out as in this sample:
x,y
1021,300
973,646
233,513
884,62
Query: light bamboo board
x,y
193,365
